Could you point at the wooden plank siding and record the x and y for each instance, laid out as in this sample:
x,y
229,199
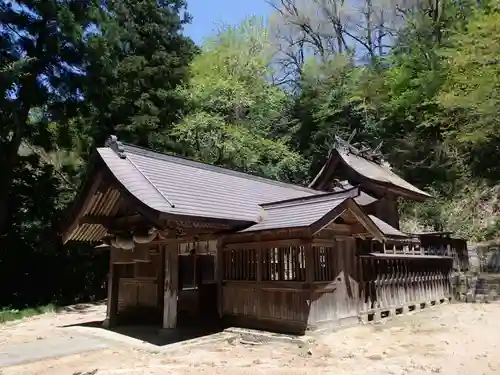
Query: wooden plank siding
x,y
325,282
139,283
277,308
263,285
300,286
335,295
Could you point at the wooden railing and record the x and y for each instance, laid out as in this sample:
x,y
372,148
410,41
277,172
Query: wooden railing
x,y
394,283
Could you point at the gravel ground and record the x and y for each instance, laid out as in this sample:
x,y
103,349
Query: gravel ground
x,y
450,339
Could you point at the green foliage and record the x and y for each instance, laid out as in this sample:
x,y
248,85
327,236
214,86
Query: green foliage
x,y
330,104
471,86
136,59
237,118
71,73
432,104
41,55
471,92
472,213
7,315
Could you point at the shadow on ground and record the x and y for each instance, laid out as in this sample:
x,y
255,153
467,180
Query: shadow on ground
x,y
80,307
154,335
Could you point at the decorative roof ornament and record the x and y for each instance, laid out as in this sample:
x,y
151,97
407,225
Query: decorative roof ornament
x,y
113,143
362,150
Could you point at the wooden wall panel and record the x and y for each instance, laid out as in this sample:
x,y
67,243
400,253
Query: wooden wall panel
x,y
138,275
137,293
127,294
285,304
240,300
339,299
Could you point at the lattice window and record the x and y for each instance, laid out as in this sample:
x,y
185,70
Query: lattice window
x,y
240,264
284,264
198,247
323,260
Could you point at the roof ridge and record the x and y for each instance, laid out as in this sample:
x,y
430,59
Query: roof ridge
x,y
150,182
338,195
214,168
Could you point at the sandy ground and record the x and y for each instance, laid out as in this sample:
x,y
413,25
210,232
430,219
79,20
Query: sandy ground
x,y
449,339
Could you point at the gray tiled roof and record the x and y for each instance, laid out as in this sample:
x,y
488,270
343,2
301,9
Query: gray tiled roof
x,y
386,229
377,172
300,212
184,187
363,199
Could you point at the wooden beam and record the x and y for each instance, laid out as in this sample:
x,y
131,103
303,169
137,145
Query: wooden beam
x,y
365,220
267,235
346,228
110,222
188,235
105,221
266,244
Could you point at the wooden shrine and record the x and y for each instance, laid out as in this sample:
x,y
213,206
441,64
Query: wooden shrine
x,y
191,243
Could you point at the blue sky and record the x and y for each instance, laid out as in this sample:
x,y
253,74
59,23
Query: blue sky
x,y
207,14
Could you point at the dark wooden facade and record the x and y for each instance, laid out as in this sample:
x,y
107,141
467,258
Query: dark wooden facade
x,y
286,280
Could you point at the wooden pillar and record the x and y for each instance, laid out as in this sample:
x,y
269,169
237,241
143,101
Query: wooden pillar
x,y
260,262
112,302
161,278
170,285
309,258
220,275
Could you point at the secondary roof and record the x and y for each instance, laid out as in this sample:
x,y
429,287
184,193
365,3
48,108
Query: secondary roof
x,y
361,169
305,212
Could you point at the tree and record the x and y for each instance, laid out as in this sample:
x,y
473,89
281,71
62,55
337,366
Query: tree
x,y
137,57
472,86
237,118
41,49
326,29
324,109
471,92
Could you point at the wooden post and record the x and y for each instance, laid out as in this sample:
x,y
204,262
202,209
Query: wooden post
x,y
220,275
260,262
171,285
112,302
309,260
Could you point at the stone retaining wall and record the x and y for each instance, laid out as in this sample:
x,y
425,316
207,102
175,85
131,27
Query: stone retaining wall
x,y
484,287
